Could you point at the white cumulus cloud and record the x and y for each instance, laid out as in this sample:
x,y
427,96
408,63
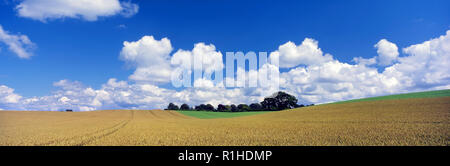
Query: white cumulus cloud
x,y
7,95
206,55
307,53
89,10
425,68
113,94
387,52
334,80
364,61
21,45
427,65
151,58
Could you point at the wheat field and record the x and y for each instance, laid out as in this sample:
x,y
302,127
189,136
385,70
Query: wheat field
x,y
422,121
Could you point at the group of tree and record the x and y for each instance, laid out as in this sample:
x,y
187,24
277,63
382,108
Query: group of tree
x,y
277,101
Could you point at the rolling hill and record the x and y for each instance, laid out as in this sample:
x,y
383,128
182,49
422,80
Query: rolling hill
x,y
394,121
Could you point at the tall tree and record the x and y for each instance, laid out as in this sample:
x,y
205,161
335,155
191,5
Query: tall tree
x,y
233,108
279,101
256,107
221,108
243,107
209,107
184,107
172,107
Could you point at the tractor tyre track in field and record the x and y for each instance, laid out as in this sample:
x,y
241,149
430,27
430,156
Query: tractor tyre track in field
x,y
154,114
178,115
92,135
104,134
109,132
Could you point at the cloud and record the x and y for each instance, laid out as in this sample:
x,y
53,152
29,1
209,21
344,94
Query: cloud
x,y
364,61
8,99
121,95
387,52
334,81
74,95
209,58
153,62
202,61
425,68
151,58
68,85
89,10
19,44
214,96
427,65
122,26
307,53
203,83
129,9
7,95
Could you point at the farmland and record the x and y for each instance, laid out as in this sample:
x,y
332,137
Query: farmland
x,y
410,121
212,115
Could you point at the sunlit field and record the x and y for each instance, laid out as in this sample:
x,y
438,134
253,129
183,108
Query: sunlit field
x,y
413,121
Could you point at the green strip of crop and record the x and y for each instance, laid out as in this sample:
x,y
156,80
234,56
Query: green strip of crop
x,y
428,94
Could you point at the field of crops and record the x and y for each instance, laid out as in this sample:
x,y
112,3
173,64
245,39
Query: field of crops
x,y
413,121
213,115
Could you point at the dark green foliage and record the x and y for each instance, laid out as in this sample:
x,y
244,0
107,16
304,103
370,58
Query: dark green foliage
x,y
200,107
279,101
209,107
233,108
204,107
227,108
221,108
184,107
270,104
256,107
172,107
243,108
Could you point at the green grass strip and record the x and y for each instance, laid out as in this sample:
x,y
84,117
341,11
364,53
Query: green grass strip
x,y
428,94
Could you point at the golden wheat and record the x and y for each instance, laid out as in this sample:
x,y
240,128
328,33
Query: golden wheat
x,y
389,122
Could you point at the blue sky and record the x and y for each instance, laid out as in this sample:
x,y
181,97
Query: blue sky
x,y
88,51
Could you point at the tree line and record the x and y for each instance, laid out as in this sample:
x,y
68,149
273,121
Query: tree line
x,y
276,102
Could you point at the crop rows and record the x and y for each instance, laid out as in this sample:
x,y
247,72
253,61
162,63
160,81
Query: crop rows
x,y
418,121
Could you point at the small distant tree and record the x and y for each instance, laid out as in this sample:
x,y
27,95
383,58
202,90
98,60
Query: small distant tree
x,y
227,108
184,107
201,107
243,107
172,107
255,107
209,107
221,108
234,108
